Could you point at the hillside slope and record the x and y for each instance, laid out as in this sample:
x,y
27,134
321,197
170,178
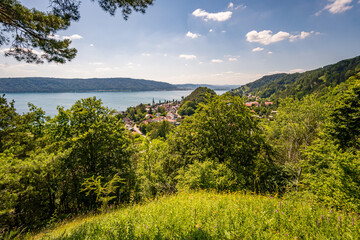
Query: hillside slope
x,y
209,215
301,84
34,84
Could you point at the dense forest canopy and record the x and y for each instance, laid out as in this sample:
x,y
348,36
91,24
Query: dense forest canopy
x,y
301,84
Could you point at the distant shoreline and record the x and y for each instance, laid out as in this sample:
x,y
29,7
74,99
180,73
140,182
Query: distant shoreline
x,y
76,85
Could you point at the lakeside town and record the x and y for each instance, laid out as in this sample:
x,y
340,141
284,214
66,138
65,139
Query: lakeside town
x,y
135,118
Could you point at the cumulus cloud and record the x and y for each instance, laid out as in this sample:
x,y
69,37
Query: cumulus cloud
x,y
217,61
187,56
231,5
269,52
266,37
146,54
211,30
258,49
302,35
91,45
232,59
336,6
218,17
73,37
192,35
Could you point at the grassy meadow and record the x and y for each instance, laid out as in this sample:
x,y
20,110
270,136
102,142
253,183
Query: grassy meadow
x,y
210,215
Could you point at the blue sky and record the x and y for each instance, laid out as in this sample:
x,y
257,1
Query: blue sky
x,y
204,41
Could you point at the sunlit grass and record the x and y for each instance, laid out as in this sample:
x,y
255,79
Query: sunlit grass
x,y
209,215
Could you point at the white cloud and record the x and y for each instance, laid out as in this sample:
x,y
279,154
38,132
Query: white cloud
x,y
211,30
269,52
217,61
146,54
187,56
302,35
258,49
336,6
91,45
223,31
192,35
57,37
266,37
232,59
231,5
218,17
73,37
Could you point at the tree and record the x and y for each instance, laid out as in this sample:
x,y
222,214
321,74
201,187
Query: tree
x,y
224,131
31,29
346,116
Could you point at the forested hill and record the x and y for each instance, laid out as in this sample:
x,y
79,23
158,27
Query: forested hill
x,y
301,84
81,85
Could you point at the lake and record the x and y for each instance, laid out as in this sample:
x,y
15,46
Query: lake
x,y
119,101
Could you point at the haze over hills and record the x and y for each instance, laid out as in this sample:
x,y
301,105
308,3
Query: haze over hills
x,y
301,84
39,84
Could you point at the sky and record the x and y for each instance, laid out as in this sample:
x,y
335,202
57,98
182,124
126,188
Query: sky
x,y
203,41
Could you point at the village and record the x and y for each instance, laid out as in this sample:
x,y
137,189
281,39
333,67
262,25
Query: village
x,y
153,113
145,114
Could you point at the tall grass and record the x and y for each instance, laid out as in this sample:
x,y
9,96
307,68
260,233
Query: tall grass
x,y
209,215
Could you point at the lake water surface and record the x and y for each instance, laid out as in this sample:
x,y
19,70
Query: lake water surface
x,y
114,100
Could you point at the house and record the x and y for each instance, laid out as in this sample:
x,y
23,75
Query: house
x,y
268,103
250,104
148,116
147,121
158,119
171,115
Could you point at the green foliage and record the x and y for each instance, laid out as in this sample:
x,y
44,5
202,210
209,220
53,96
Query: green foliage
x,y
346,116
207,175
103,191
28,29
156,169
294,128
301,84
209,215
332,166
333,176
83,159
157,129
190,103
224,131
44,162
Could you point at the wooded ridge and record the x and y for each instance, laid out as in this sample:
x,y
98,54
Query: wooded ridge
x,y
300,84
